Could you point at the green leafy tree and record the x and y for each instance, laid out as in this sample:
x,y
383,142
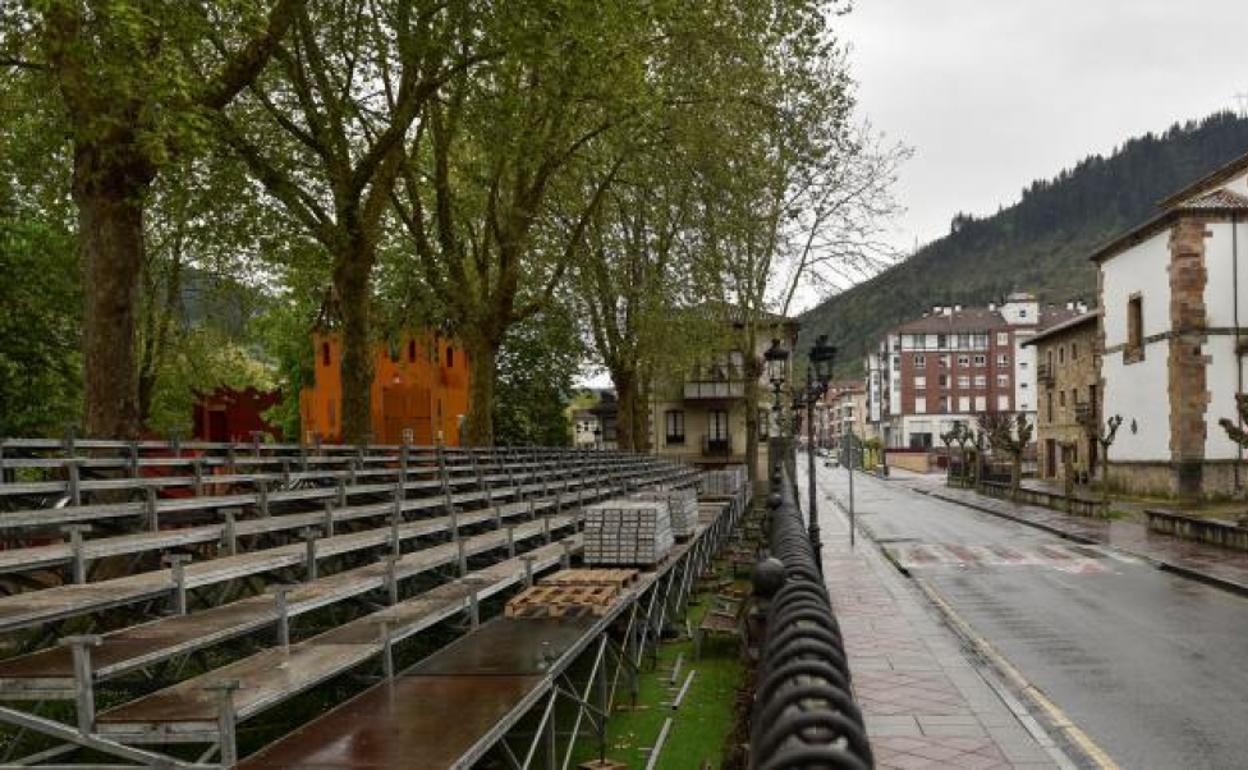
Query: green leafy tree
x,y
536,369
134,80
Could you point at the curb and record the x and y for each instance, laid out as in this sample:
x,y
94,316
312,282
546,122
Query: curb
x,y
1231,586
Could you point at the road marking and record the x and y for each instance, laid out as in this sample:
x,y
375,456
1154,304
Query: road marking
x,y
1059,719
1087,561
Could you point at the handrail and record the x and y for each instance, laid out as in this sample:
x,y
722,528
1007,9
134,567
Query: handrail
x,y
804,713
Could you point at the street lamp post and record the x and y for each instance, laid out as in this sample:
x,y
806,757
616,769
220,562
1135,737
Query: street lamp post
x,y
818,375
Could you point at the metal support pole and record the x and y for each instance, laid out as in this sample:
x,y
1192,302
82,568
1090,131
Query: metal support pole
x,y
230,533
528,570
392,579
474,605
84,684
565,560
511,541
309,555
283,617
226,720
849,467
177,562
75,532
387,650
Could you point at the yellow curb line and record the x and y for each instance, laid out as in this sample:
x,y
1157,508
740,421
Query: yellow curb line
x,y
1060,721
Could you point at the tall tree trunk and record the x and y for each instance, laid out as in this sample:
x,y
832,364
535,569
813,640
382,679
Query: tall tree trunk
x,y
109,188
641,415
753,370
625,381
482,376
353,283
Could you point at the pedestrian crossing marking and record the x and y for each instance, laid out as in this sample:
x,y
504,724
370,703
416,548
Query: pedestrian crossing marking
x,y
1079,560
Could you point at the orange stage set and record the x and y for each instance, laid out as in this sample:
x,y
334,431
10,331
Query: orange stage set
x,y
419,386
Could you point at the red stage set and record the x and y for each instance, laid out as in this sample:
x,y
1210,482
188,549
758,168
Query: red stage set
x,y
227,414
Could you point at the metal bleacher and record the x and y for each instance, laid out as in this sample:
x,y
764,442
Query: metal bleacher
x,y
208,583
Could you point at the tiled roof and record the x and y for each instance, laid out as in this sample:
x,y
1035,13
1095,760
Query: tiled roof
x,y
1216,177
1222,199
1073,322
966,320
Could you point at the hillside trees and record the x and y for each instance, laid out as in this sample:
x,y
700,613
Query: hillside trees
x,y
133,80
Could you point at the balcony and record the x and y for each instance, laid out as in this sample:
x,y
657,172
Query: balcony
x,y
1044,374
718,446
717,389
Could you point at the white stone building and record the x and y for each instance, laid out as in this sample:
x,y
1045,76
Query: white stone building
x,y
1174,294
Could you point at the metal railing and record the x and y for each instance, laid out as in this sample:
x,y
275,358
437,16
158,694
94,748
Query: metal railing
x,y
717,446
804,714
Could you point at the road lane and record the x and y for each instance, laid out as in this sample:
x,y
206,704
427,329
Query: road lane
x,y
1150,664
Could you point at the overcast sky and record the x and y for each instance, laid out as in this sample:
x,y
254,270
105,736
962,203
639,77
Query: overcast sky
x,y
992,94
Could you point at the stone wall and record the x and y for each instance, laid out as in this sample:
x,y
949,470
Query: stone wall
x,y
1162,479
1187,387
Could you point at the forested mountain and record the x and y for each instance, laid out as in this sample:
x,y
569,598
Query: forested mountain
x,y
1040,244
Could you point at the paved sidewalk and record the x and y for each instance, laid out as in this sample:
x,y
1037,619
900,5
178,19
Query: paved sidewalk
x,y
925,704
1220,566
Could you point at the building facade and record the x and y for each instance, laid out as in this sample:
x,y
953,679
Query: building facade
x,y
953,363
1068,381
844,409
419,393
1172,295
699,416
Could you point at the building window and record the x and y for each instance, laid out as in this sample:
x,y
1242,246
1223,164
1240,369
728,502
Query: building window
x,y
1061,398
920,383
764,423
942,341
411,351
1003,359
1003,403
964,403
981,403
943,404
964,342
980,341
920,405
324,354
1135,329
944,361
1061,354
981,360
1022,385
920,361
450,356
964,361
675,420
717,425
1003,338
1049,405
1003,380
944,381
896,362
964,381
981,380
1074,351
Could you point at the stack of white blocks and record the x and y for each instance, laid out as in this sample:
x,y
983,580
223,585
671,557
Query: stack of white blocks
x,y
628,532
682,506
725,482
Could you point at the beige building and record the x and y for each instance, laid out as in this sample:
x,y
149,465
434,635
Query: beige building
x,y
1068,377
700,417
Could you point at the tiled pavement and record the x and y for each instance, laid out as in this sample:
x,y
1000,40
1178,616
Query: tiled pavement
x,y
1218,565
925,704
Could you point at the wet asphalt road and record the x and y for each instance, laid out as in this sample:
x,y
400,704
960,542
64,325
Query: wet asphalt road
x,y
1152,666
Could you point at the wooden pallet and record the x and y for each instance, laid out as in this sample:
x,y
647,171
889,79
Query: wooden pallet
x,y
621,578
555,601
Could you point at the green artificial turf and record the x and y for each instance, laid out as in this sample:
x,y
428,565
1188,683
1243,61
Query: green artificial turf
x,y
702,724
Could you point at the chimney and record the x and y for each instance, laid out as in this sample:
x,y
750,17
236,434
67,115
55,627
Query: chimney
x,y
946,310
957,308
1070,305
992,307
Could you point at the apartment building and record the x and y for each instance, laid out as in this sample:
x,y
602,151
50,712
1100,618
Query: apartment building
x,y
953,363
842,409
1068,376
699,415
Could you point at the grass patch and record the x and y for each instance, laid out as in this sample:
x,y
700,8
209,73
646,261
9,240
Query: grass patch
x,y
705,719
